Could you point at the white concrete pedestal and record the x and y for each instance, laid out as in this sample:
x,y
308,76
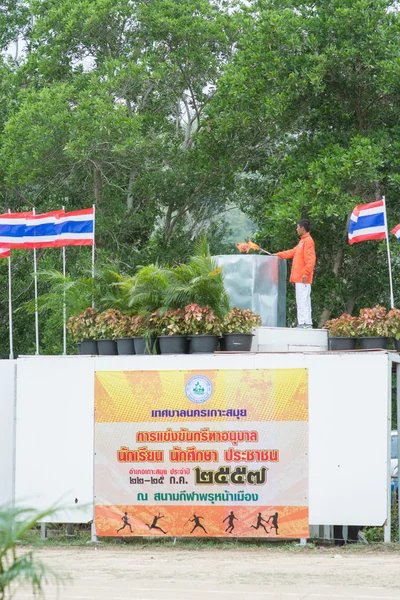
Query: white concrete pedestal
x,y
286,339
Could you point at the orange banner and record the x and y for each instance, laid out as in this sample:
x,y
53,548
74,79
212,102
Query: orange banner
x,y
207,453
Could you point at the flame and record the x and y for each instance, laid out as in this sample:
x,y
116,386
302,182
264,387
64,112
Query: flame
x,y
245,247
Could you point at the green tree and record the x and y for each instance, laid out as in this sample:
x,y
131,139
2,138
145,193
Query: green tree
x,y
310,104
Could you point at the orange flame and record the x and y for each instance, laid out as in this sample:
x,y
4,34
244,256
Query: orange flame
x,y
245,247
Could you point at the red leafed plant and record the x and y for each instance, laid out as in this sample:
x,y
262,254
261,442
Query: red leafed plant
x,y
393,323
372,322
201,320
240,320
83,326
343,326
123,328
107,323
171,322
139,325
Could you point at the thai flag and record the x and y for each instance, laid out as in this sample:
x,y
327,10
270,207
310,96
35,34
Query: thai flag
x,y
47,230
367,222
396,231
41,230
12,229
76,228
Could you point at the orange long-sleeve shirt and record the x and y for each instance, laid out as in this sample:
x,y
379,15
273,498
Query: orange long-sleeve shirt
x,y
303,259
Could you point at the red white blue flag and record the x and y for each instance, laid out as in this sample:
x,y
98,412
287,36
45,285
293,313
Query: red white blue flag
x,y
12,229
367,222
396,232
76,228
40,230
48,230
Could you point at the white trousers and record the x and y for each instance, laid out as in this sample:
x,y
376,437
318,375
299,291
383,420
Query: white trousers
x,y
303,302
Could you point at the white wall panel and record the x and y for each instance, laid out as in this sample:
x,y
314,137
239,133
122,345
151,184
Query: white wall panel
x,y
348,428
348,439
54,457
348,420
7,430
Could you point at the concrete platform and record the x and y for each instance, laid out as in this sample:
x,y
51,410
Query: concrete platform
x,y
286,339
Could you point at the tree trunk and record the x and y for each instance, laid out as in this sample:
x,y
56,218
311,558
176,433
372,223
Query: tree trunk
x,y
337,264
129,199
350,304
98,186
167,226
326,313
378,191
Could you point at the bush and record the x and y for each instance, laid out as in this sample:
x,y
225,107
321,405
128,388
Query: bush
x,y
172,322
83,327
393,323
343,326
372,322
201,320
240,320
107,323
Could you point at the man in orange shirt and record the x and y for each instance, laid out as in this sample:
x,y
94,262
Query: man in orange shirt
x,y
302,272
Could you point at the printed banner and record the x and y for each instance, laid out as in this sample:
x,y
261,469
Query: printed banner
x,y
202,453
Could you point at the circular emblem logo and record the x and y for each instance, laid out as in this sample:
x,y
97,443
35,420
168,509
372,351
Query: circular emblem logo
x,y
198,389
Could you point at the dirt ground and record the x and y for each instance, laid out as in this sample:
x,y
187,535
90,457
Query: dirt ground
x,y
127,572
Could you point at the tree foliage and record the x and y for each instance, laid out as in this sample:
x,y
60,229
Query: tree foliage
x,y
168,113
312,95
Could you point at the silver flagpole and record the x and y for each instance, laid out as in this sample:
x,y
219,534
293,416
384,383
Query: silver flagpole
x,y
10,315
36,295
388,253
64,305
93,250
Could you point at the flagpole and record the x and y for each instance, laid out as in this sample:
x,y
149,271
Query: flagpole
x,y
10,316
388,253
10,322
36,295
93,250
64,304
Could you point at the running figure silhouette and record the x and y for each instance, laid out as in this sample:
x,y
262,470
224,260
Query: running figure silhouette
x,y
196,521
125,520
260,521
231,524
154,523
274,522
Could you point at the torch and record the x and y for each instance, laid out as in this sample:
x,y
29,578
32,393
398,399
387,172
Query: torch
x,y
245,247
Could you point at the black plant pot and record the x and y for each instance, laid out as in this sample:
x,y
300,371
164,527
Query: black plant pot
x,y
396,345
145,346
342,343
238,342
125,346
88,347
373,343
173,344
107,347
201,344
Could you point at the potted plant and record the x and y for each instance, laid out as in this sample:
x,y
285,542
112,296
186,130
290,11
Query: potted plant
x,y
172,331
106,323
372,329
200,281
123,336
83,331
143,330
203,328
393,327
237,328
342,332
